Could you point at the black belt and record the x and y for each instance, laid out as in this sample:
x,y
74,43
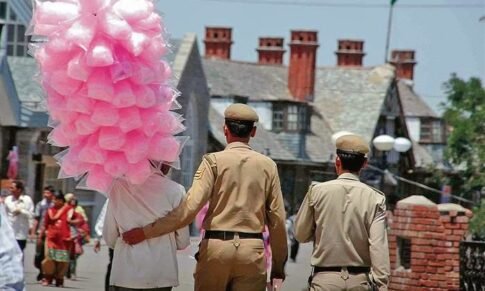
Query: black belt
x,y
228,235
352,270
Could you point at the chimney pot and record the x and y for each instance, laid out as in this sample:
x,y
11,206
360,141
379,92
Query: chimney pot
x,y
218,42
303,59
404,61
350,53
271,51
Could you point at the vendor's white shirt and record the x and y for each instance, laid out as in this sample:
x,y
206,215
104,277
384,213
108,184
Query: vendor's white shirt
x,y
20,222
152,263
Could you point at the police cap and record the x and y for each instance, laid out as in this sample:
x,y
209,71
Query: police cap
x,y
241,112
352,143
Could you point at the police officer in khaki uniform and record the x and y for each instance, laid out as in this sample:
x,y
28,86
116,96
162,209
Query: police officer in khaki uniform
x,y
346,220
244,193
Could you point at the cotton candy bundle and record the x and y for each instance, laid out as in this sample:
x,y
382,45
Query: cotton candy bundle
x,y
107,87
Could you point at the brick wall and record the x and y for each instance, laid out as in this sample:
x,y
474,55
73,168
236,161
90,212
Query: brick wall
x,y
424,243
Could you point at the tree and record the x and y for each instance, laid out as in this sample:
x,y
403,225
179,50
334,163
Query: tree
x,y
465,116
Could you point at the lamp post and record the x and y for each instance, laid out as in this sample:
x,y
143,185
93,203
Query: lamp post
x,y
386,143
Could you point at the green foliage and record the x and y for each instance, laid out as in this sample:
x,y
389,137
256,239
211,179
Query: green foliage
x,y
477,224
465,116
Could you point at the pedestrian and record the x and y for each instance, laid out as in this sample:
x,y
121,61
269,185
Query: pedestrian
x,y
58,241
243,189
345,218
20,210
139,267
38,228
11,263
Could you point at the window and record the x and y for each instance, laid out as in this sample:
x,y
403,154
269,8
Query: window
x,y
13,16
431,131
437,131
404,252
292,118
20,33
10,32
278,118
3,10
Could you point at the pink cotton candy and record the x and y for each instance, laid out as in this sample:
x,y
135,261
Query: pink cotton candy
x,y
138,173
99,180
91,152
100,53
136,43
116,27
108,91
116,164
136,147
145,97
133,10
77,68
130,119
100,86
84,125
55,12
124,95
164,148
104,114
151,22
111,138
82,32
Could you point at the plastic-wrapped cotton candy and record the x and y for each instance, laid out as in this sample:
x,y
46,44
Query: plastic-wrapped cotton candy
x,y
107,86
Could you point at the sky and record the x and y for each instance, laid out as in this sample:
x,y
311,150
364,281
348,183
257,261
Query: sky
x,y
446,40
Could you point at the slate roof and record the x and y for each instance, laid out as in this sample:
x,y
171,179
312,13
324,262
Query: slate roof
x,y
413,105
348,99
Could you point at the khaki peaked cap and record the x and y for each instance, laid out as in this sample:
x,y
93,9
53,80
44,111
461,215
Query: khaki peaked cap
x,y
241,112
352,143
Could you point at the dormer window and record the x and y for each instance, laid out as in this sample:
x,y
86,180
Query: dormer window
x,y
290,117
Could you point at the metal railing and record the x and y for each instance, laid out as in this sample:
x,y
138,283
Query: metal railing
x,y
472,265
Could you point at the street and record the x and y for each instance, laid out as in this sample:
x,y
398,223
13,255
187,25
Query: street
x,y
92,269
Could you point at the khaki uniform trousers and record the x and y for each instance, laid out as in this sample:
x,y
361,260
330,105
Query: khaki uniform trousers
x,y
339,281
230,265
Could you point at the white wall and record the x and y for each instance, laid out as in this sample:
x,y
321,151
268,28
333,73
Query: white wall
x,y
265,113
414,128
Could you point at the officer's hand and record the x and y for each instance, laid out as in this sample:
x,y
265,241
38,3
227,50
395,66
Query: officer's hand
x,y
134,236
97,245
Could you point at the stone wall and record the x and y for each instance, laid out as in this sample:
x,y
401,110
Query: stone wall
x,y
424,241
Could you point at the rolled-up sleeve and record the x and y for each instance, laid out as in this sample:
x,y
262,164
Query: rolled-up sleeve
x,y
185,213
379,249
305,220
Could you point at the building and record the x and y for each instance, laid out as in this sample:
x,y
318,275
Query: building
x,y
24,121
301,105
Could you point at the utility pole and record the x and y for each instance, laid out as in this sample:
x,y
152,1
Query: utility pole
x,y
389,27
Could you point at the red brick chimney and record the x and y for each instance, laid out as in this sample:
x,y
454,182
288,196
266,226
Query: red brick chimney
x,y
218,41
404,61
270,50
303,59
350,53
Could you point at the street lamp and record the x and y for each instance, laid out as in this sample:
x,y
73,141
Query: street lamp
x,y
386,143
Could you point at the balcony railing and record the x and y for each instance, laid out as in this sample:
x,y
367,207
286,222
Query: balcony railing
x,y
472,266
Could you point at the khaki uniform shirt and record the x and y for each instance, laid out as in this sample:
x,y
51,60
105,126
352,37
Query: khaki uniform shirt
x,y
346,220
244,193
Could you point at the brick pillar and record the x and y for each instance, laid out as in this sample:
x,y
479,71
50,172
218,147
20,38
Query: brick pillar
x,y
303,60
433,233
270,50
455,220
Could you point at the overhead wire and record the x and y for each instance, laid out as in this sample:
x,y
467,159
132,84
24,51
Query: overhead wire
x,y
349,4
